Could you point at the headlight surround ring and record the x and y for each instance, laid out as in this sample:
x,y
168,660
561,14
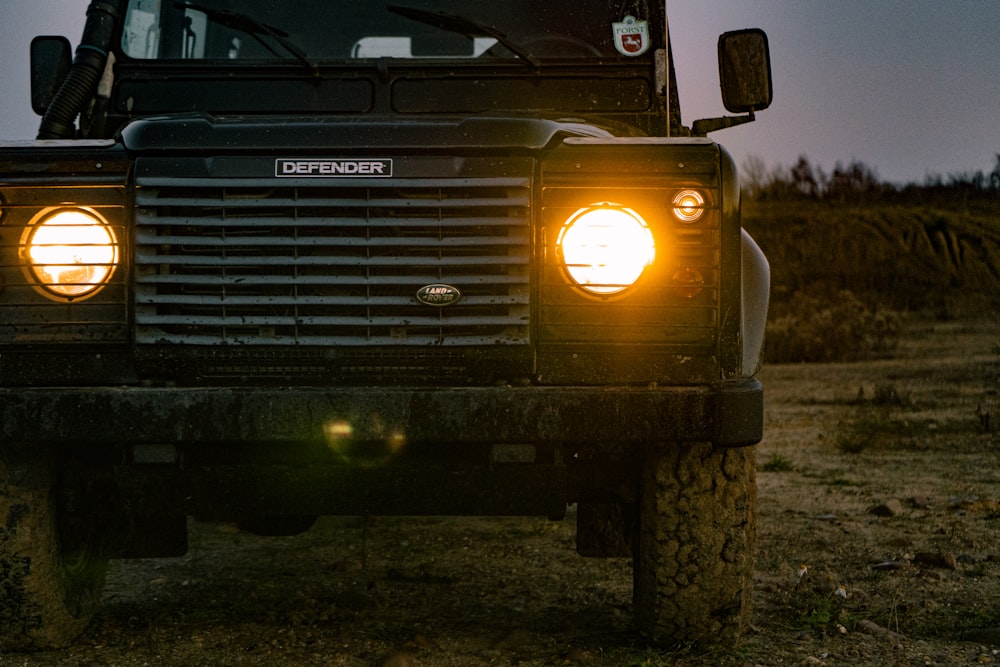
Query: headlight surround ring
x,y
69,253
605,248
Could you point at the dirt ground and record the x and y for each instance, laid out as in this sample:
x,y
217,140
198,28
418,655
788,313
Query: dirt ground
x,y
879,510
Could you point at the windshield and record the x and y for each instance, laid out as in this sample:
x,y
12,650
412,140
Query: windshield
x,y
323,31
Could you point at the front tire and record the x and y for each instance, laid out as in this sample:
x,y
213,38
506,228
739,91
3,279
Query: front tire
x,y
48,593
693,558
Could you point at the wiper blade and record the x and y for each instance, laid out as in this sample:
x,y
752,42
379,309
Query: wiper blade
x,y
251,26
464,26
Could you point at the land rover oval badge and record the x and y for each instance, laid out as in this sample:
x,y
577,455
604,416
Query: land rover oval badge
x,y
438,295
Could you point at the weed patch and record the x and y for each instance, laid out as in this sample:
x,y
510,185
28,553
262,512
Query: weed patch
x,y
816,327
980,618
869,427
777,463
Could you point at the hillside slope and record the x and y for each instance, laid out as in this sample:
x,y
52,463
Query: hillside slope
x,y
891,255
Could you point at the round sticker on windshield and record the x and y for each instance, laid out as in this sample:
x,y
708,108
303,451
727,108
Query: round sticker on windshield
x,y
631,36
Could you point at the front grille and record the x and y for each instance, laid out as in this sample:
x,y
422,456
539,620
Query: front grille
x,y
241,261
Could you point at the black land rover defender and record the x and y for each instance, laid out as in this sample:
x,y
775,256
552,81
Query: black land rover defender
x,y
269,260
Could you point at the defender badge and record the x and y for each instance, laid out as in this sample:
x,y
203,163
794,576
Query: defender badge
x,y
631,36
438,295
333,168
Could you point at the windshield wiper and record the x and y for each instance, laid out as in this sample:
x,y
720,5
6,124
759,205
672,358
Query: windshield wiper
x,y
251,26
464,26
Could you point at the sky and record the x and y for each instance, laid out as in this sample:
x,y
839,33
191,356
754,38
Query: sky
x,y
911,88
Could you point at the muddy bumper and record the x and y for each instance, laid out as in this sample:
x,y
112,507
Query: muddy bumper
x,y
237,453
729,415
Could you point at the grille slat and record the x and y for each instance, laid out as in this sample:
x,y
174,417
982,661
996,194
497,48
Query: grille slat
x,y
347,221
347,342
326,260
247,242
239,184
272,262
196,299
274,321
291,202
415,280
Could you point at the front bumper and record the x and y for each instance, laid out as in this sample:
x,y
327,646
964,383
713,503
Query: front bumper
x,y
146,457
730,414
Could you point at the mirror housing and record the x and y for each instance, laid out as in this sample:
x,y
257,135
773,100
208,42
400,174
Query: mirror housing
x,y
745,77
50,62
745,70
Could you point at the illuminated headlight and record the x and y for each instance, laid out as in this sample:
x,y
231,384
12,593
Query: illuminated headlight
x,y
69,253
689,205
605,248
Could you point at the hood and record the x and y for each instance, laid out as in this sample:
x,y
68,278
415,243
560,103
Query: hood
x,y
200,132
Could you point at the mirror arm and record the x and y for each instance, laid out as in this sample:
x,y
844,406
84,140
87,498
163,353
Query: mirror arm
x,y
702,127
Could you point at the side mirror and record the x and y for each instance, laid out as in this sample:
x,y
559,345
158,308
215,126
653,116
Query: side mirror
x,y
50,61
745,71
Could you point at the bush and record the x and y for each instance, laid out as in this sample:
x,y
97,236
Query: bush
x,y
778,463
865,429
811,328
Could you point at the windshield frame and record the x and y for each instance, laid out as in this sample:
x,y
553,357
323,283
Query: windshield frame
x,y
625,94
433,30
